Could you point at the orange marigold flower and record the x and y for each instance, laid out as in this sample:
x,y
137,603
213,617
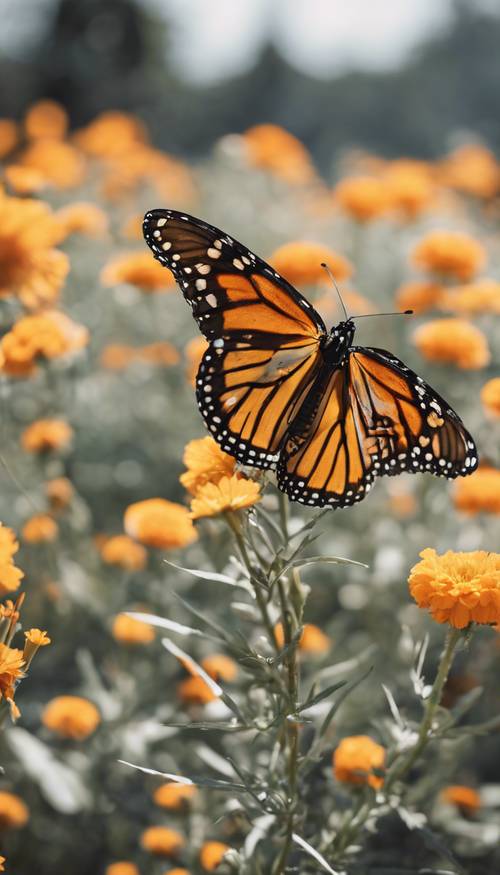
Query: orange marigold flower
x,y
480,492
355,758
401,500
205,463
453,341
300,263
471,169
173,795
3,860
490,396
458,588
195,349
46,119
220,667
60,163
212,854
71,717
82,218
312,639
157,522
466,799
35,639
362,197
409,186
162,841
137,269
40,529
122,867
479,297
123,551
195,691
330,308
46,435
9,136
59,492
11,670
10,575
13,811
117,356
110,134
128,630
450,254
132,227
272,148
419,296
47,335
230,493
159,353
177,871
24,180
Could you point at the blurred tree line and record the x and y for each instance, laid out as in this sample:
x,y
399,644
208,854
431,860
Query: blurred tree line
x,y
101,54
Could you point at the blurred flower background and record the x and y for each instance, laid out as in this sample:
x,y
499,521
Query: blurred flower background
x,y
382,163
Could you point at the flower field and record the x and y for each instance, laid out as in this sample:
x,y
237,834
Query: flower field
x,y
196,674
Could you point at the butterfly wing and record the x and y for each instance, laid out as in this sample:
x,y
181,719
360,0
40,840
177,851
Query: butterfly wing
x,y
264,336
376,417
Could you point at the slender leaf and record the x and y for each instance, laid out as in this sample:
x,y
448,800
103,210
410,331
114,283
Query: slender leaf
x,y
204,575
210,783
164,623
320,696
313,853
348,688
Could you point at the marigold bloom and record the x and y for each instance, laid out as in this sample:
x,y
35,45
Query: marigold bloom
x,y
117,356
466,799
419,296
452,341
478,493
123,551
122,867
159,353
230,493
59,492
8,136
205,463
162,841
272,148
472,170
195,349
173,795
490,396
46,435
71,717
46,119
11,670
212,854
128,630
47,335
312,639
458,588
60,163
132,227
34,639
355,758
330,308
482,296
220,667
137,269
24,180
3,860
10,575
195,691
450,254
157,522
409,187
177,871
40,529
111,133
82,218
13,811
300,263
362,197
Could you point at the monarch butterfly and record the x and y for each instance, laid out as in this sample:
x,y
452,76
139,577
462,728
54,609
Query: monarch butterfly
x,y
277,390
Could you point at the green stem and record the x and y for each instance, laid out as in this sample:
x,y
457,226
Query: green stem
x,y
402,765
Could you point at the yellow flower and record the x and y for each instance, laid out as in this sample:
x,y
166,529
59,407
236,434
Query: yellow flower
x,y
127,630
71,717
478,493
195,691
46,435
230,493
11,671
450,254
205,463
174,796
194,351
300,263
123,551
122,867
40,529
482,296
458,588
419,296
9,136
312,639
162,841
157,522
466,799
46,119
364,198
59,492
355,758
137,269
274,149
59,162
212,854
13,811
490,396
24,180
453,341
472,170
82,218
10,575
220,667
35,639
43,336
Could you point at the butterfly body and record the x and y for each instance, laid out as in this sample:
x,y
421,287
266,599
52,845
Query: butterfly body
x,y
279,391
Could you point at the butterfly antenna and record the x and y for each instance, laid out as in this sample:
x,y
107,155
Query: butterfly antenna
x,y
396,313
330,274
